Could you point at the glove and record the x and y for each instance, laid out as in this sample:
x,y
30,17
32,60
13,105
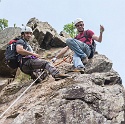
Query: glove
x,y
54,59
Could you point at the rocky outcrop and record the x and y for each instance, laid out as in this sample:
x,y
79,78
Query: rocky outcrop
x,y
96,97
45,34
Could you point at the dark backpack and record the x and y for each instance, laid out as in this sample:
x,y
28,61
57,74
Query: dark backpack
x,y
11,55
92,46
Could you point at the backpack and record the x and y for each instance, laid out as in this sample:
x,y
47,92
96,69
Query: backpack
x,y
11,55
92,46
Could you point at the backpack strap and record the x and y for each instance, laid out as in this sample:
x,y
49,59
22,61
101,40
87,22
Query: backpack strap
x,y
86,36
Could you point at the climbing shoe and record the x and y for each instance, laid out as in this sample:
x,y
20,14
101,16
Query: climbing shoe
x,y
60,76
78,69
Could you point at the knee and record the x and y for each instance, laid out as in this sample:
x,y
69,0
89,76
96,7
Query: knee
x,y
69,42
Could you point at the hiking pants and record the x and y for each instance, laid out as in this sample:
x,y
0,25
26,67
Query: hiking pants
x,y
81,50
33,65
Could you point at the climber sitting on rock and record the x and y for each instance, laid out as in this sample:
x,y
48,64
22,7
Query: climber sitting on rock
x,y
30,62
81,45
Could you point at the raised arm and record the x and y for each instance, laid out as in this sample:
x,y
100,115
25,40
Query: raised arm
x,y
99,38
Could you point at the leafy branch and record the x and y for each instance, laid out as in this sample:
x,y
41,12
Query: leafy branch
x,y
3,23
70,29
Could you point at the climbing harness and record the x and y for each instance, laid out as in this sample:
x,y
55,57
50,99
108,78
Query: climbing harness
x,y
21,95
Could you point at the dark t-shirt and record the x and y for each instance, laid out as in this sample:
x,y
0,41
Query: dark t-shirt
x,y
25,45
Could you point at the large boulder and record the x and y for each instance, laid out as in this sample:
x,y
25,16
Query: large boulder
x,y
45,34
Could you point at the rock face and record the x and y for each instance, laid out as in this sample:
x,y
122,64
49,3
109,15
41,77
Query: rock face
x,y
96,97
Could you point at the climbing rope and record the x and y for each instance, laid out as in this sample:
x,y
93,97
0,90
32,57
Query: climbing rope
x,y
21,95
64,60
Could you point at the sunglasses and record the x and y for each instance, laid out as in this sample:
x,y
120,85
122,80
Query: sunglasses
x,y
79,25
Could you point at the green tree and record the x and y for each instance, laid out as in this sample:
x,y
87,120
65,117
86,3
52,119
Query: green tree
x,y
70,29
3,23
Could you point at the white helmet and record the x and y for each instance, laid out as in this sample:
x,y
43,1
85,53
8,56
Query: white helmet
x,y
78,20
26,29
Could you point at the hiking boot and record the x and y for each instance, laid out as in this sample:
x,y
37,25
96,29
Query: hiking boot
x,y
44,75
35,75
85,60
60,76
78,69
